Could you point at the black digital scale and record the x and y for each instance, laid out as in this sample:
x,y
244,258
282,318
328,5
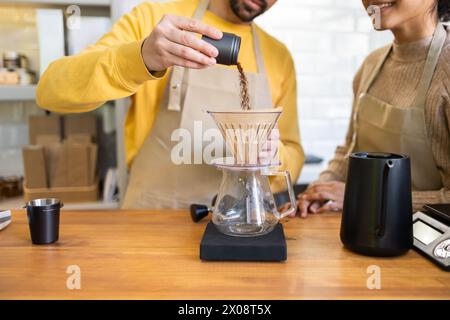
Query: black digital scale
x,y
431,230
216,246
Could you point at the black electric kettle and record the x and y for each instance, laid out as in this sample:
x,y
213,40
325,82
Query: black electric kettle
x,y
377,213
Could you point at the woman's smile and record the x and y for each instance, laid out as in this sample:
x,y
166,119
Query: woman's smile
x,y
384,6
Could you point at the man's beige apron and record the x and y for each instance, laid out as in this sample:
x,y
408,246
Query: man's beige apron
x,y
155,181
381,127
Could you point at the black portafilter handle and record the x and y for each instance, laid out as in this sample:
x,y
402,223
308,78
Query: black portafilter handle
x,y
200,211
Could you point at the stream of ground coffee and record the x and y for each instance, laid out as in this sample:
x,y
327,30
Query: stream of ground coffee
x,y
245,98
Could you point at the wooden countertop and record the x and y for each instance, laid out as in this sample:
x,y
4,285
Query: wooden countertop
x,y
155,255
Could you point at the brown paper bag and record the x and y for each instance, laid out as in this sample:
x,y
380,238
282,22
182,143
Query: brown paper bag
x,y
93,154
35,167
44,125
56,165
78,164
79,138
80,124
46,139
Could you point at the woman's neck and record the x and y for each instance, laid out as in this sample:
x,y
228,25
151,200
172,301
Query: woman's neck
x,y
223,10
415,29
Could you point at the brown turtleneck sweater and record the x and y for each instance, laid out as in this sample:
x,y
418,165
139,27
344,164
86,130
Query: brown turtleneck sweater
x,y
397,84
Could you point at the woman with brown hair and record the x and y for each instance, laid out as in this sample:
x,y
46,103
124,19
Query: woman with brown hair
x,y
401,105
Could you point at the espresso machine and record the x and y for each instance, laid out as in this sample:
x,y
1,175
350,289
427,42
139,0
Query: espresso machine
x,y
245,219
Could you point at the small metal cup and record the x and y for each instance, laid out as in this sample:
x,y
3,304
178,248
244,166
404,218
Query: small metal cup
x,y
43,219
228,48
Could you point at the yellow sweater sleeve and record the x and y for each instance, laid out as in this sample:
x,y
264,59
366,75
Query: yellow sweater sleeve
x,y
290,150
111,69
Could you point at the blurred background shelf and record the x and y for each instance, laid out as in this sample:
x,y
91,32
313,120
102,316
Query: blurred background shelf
x,y
39,29
17,93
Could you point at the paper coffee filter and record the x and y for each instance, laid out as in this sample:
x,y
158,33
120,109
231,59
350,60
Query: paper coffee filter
x,y
246,132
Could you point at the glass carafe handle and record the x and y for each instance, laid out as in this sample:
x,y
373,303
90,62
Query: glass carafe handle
x,y
290,190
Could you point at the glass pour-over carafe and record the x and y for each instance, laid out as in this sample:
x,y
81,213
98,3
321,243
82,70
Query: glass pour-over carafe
x,y
245,205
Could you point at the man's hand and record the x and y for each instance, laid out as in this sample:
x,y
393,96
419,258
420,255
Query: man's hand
x,y
172,42
322,197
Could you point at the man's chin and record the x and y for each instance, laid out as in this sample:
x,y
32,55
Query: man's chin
x,y
247,17
244,13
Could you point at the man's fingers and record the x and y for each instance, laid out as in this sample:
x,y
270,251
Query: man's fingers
x,y
178,61
189,54
190,40
197,26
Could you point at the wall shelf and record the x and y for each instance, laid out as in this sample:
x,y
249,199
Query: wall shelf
x,y
17,93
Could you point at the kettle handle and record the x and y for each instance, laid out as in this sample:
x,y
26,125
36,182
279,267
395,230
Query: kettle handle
x,y
384,198
290,189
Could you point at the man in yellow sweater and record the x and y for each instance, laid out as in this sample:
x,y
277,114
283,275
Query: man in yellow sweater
x,y
153,55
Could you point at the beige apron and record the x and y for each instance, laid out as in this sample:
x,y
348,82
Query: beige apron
x,y
381,127
155,181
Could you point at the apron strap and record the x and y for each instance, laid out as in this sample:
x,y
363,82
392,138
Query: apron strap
x,y
364,90
439,38
258,52
176,79
201,9
175,89
377,69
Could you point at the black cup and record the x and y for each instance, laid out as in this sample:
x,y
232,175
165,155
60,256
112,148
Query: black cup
x,y
43,219
228,48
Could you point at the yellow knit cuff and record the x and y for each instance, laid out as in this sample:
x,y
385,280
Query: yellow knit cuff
x,y
131,67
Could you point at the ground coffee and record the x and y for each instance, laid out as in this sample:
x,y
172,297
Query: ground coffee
x,y
245,98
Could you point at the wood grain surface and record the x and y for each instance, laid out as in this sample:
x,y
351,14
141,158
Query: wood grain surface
x,y
155,255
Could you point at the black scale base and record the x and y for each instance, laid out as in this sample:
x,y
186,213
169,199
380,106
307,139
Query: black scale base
x,y
216,246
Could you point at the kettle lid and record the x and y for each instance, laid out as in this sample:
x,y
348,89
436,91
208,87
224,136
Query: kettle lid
x,y
378,155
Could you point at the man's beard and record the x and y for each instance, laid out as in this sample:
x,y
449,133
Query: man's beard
x,y
245,13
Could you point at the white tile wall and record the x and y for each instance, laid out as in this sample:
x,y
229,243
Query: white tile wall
x,y
328,40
